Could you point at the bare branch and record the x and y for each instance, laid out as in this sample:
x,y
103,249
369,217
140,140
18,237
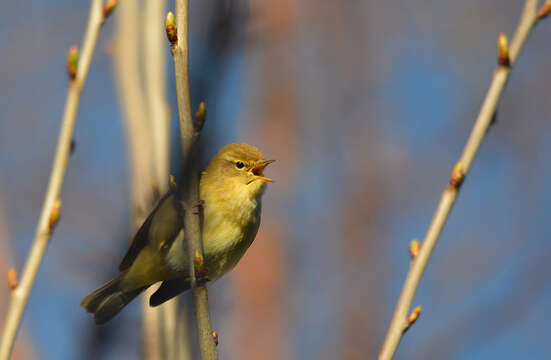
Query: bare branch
x,y
507,59
43,233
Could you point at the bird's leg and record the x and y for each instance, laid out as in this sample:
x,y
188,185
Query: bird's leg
x,y
198,207
202,279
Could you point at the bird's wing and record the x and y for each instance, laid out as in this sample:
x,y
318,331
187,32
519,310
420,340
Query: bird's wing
x,y
159,229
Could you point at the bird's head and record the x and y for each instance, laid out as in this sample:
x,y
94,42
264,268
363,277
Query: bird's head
x,y
237,169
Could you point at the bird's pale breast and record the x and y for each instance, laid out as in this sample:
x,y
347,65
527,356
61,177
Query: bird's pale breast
x,y
229,228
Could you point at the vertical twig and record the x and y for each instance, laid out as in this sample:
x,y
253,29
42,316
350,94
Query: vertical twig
x,y
189,136
507,58
44,229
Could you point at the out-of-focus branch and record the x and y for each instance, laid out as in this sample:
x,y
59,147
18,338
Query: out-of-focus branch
x,y
130,89
153,50
155,89
46,222
138,126
175,344
189,134
506,60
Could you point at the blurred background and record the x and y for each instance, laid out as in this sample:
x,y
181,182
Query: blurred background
x,y
366,106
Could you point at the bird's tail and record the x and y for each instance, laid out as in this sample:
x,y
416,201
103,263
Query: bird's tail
x,y
108,300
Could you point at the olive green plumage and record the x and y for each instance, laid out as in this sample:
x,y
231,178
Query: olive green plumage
x,y
231,188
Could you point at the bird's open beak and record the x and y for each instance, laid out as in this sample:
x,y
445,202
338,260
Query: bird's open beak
x,y
259,168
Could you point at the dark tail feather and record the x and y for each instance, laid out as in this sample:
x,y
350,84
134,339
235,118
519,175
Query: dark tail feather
x,y
168,290
108,300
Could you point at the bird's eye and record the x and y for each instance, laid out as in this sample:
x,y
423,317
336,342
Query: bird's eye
x,y
239,165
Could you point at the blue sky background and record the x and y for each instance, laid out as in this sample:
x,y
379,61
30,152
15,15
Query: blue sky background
x,y
366,106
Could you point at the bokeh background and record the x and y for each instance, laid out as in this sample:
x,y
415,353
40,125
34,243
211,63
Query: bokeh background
x,y
366,106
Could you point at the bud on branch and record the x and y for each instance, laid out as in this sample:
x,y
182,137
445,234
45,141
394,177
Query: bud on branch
x,y
544,10
503,50
412,318
54,214
110,5
12,279
72,62
199,264
457,176
172,184
200,116
170,27
414,247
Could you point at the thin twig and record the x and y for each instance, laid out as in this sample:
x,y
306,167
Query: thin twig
x,y
400,321
43,232
189,136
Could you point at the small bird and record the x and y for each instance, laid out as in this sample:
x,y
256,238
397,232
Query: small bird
x,y
231,189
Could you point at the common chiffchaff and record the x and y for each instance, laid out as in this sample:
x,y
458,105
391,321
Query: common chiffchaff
x,y
231,189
